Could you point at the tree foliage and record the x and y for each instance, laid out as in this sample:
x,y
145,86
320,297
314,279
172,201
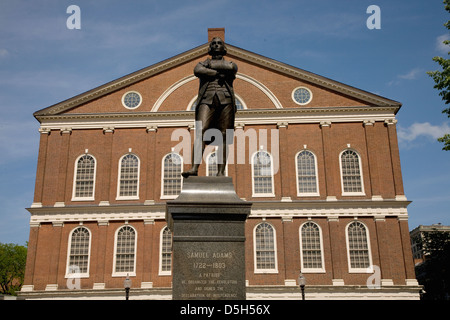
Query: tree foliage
x,y
442,80
12,267
434,272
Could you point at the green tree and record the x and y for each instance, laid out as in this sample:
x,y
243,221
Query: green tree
x,y
434,272
12,267
442,80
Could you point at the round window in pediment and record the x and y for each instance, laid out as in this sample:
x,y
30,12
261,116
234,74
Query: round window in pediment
x,y
131,100
302,95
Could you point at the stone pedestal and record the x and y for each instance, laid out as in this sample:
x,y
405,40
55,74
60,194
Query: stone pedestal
x,y
207,221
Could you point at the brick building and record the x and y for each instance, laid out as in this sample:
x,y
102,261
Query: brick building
x,y
418,240
319,160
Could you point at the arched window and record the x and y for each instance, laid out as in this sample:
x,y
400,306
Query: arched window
x,y
165,258
351,174
265,248
128,184
125,251
311,248
358,248
307,182
262,174
84,182
212,168
239,104
171,175
79,252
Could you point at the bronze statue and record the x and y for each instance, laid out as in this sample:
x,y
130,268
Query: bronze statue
x,y
215,106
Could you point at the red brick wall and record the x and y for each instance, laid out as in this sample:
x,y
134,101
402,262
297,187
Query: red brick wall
x,y
52,245
376,144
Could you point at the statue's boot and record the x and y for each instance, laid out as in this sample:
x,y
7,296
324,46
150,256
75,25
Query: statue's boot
x,y
191,172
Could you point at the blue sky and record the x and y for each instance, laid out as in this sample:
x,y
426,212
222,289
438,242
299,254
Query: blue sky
x,y
42,62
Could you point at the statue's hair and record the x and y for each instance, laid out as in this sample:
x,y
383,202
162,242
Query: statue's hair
x,y
224,46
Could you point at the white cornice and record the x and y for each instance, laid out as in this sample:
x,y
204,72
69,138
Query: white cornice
x,y
246,117
276,209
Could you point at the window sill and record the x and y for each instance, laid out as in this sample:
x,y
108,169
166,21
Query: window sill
x,y
351,194
308,195
127,198
265,272
169,197
313,271
83,199
362,270
124,274
263,195
76,275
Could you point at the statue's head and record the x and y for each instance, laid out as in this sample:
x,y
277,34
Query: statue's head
x,y
217,47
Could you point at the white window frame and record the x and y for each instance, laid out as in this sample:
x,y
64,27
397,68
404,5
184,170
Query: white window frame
x,y
255,264
128,273
123,100
74,197
312,270
302,103
254,194
118,196
307,194
161,272
344,193
163,196
369,251
69,246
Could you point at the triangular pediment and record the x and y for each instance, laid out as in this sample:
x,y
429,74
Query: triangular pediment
x,y
246,58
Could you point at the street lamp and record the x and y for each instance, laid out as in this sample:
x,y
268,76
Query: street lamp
x,y
127,286
302,282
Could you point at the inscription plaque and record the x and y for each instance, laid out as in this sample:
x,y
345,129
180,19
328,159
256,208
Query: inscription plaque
x,y
208,241
211,275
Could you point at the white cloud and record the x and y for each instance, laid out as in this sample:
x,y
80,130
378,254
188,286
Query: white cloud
x,y
407,135
411,75
440,46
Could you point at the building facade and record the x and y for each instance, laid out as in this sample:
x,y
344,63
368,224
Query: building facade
x,y
418,240
318,159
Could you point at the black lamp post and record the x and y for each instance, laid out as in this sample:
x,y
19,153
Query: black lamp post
x,y
302,283
127,286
